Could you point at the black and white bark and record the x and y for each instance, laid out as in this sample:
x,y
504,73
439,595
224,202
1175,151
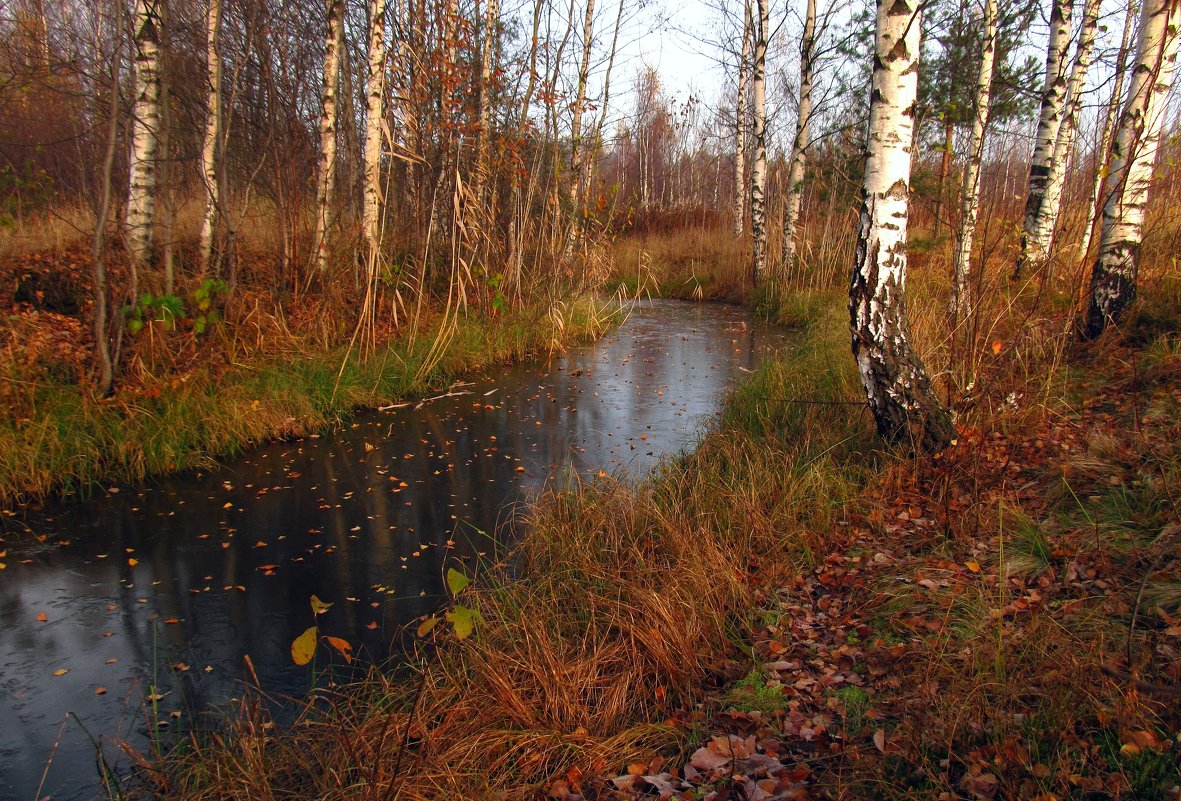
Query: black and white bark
x,y
1113,277
961,296
326,175
898,389
740,123
797,167
758,173
1033,236
374,127
145,132
211,146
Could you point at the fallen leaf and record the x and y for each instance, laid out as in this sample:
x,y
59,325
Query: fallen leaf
x,y
879,740
61,671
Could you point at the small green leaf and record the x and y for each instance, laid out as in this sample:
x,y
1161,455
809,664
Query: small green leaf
x,y
456,581
319,607
304,646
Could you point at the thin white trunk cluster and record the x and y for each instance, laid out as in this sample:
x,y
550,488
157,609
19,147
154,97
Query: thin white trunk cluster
x,y
326,176
758,176
577,146
1034,237
961,294
899,392
211,148
740,124
1103,159
145,131
797,167
1113,278
374,122
1064,144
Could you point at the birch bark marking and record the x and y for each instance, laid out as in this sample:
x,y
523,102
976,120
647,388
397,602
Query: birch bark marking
x,y
374,119
740,125
145,131
1053,101
577,156
799,147
899,392
210,166
758,177
961,299
1113,278
1064,143
1103,154
326,177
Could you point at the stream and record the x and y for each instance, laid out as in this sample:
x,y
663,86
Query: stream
x,y
164,590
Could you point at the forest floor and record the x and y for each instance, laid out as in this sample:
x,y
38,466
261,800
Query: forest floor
x,y
793,612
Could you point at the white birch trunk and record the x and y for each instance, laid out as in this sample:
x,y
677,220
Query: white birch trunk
x,y
487,60
374,123
1113,278
576,143
145,131
210,166
1033,237
758,176
1103,153
961,294
1064,144
899,392
326,176
740,125
799,147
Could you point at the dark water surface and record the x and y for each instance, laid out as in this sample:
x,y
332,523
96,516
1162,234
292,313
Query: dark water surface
x,y
171,586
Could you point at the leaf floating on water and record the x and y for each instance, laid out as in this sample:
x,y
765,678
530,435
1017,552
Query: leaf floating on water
x,y
304,646
371,625
42,617
100,690
61,671
133,561
342,646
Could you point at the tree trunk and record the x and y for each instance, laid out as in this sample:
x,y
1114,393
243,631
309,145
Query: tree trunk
x,y
1033,236
326,184
487,62
102,210
145,131
1113,278
944,171
577,156
740,125
799,147
1103,153
1064,144
374,125
758,177
210,149
961,299
899,392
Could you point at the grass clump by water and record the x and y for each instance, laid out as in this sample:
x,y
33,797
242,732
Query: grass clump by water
x,y
56,436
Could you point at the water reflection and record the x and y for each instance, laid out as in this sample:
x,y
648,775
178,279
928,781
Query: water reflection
x,y
170,586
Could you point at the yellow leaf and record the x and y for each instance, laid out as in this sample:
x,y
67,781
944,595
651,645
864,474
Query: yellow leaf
x,y
304,646
973,565
61,671
319,607
133,561
426,626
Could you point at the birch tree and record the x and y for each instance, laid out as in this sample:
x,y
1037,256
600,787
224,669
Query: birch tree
x,y
1064,142
740,124
145,131
898,389
1113,277
374,125
1103,151
799,147
758,177
577,156
326,176
961,301
210,150
1033,236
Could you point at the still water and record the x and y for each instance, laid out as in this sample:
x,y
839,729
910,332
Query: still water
x,y
164,590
